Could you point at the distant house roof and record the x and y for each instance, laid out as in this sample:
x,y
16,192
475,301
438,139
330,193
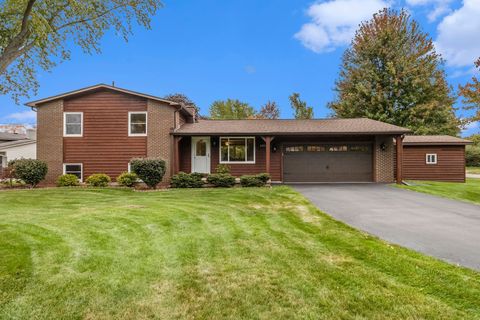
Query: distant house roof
x,y
101,86
434,140
289,127
7,136
17,143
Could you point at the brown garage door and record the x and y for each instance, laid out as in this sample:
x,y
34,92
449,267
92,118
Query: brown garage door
x,y
327,163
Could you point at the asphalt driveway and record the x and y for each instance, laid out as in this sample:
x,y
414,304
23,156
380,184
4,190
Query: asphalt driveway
x,y
439,227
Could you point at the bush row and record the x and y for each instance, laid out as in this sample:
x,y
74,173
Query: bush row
x,y
221,180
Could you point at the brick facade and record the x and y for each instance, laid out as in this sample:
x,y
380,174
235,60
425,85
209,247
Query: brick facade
x,y
384,159
50,138
159,142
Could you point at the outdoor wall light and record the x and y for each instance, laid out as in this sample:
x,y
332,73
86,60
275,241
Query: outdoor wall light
x,y
383,146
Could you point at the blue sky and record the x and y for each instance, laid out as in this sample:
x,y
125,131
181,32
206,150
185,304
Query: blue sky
x,y
252,50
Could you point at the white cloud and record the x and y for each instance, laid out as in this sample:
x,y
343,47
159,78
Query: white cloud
x,y
24,116
458,35
333,23
250,69
438,8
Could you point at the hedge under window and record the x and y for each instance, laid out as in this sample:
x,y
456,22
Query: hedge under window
x,y
237,150
73,168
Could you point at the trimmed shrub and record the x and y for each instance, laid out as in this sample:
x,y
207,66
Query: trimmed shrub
x,y
127,179
98,180
223,169
258,180
150,170
472,156
187,180
31,171
68,180
223,180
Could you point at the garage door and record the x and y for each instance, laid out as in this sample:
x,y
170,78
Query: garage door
x,y
327,163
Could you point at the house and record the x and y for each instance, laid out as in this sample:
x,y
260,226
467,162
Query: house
x,y
99,129
15,146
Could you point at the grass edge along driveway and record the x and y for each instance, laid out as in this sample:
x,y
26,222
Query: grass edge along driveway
x,y
210,254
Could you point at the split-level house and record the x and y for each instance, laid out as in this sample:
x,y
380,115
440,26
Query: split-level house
x,y
99,129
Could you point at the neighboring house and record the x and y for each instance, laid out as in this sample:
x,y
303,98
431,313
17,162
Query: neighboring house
x,y
99,129
16,146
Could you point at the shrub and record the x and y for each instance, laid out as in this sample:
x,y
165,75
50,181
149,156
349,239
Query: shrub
x,y
472,156
187,180
31,171
67,180
150,170
98,180
223,169
224,180
258,180
127,179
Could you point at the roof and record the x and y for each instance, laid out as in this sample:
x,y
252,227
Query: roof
x,y
434,140
7,136
290,127
100,86
18,143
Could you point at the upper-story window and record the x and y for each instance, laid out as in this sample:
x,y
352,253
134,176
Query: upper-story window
x,y
137,123
73,124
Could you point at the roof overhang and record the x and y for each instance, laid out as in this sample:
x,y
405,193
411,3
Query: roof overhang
x,y
176,133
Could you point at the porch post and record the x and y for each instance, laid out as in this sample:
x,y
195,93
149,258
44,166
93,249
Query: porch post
x,y
176,155
267,156
399,144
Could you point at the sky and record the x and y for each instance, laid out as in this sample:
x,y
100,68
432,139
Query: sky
x,y
253,51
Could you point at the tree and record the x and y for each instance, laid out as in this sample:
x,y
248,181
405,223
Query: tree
x,y
268,111
471,96
392,73
231,109
302,111
37,32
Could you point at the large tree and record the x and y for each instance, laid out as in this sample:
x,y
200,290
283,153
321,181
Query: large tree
x,y
269,110
183,99
231,109
471,96
38,33
300,108
392,73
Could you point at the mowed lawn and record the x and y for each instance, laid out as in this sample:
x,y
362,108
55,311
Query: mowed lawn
x,y
210,254
469,191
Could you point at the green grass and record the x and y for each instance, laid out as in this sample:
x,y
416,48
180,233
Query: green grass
x,y
475,170
469,191
210,254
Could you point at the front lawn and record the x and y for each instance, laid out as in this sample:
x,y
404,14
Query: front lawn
x,y
474,170
209,254
469,191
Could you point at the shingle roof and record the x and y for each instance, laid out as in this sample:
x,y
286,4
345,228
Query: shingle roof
x,y
10,144
434,140
290,127
6,136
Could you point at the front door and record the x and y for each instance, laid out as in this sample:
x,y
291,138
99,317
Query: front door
x,y
201,154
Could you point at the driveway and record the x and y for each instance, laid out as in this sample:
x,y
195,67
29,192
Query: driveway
x,y
443,228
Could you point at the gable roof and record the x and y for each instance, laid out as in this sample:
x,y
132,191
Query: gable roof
x,y
434,140
7,136
18,143
289,127
37,103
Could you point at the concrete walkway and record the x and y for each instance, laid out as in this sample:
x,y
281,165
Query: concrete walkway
x,y
473,175
439,227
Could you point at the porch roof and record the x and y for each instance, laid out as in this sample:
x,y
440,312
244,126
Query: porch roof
x,y
358,126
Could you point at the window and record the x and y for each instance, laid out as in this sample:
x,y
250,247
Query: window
x,y
360,148
431,158
75,169
338,148
237,150
316,148
137,123
73,124
294,149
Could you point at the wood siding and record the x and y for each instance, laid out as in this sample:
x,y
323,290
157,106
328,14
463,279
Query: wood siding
x,y
105,146
450,163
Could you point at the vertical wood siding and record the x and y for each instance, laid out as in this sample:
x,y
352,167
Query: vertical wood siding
x,y
450,163
105,146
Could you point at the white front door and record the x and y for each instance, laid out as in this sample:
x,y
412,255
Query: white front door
x,y
201,154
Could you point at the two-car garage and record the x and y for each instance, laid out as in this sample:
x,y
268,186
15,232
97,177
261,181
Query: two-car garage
x,y
328,162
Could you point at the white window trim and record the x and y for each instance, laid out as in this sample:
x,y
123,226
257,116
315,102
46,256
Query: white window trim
x,y
65,134
130,134
74,164
236,162
430,155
